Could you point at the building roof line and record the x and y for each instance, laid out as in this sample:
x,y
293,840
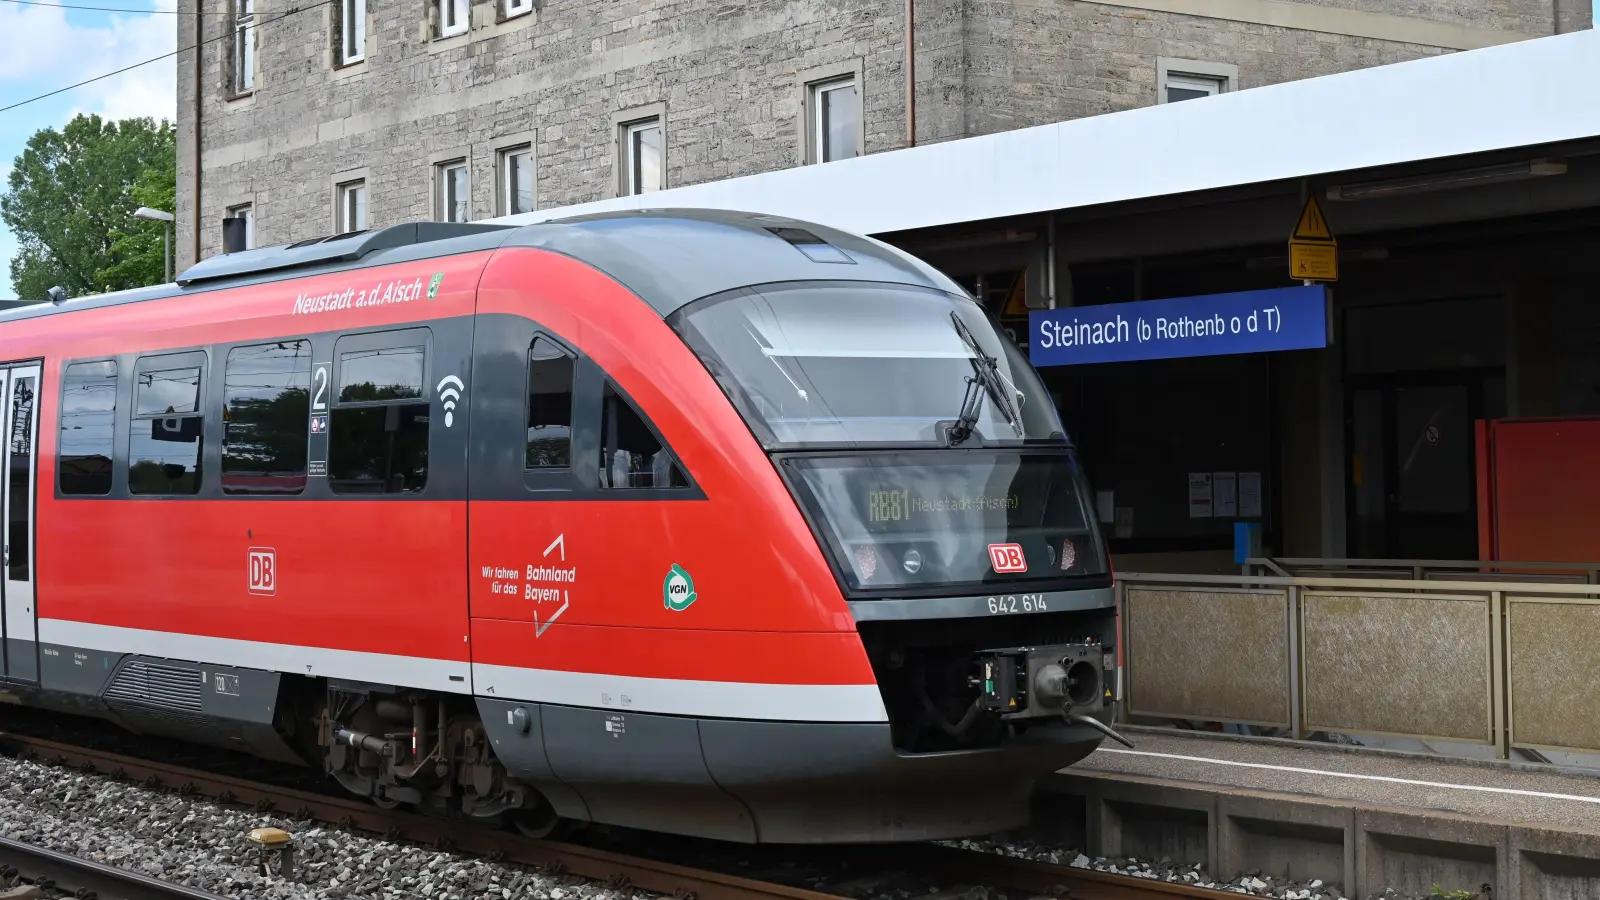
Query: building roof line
x,y
1514,95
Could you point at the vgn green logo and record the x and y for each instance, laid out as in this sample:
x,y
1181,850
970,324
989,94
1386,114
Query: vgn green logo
x,y
677,592
433,285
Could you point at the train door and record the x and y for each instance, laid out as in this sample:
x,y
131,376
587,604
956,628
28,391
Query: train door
x,y
19,386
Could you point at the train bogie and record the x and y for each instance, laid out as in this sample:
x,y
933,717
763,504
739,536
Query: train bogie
x,y
701,522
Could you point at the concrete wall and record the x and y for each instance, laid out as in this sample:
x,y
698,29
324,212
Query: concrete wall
x,y
728,76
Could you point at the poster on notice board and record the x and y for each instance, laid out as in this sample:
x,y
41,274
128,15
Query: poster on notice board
x,y
1199,495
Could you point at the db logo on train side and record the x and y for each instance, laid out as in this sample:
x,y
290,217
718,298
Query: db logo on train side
x,y
263,570
1007,558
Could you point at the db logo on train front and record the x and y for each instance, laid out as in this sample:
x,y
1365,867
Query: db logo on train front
x,y
263,570
1007,558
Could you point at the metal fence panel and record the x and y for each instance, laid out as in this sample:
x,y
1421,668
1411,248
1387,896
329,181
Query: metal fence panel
x,y
1212,654
1554,667
1402,664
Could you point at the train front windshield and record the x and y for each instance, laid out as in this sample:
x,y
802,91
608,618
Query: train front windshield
x,y
917,437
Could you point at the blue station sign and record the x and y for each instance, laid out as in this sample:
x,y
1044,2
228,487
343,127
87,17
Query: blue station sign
x,y
1292,318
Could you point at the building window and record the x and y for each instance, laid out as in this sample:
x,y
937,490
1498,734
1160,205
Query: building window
x,y
452,17
549,406
353,31
248,214
88,416
167,431
378,431
641,156
266,399
518,7
631,456
1188,79
352,206
1191,87
451,201
516,180
244,46
835,120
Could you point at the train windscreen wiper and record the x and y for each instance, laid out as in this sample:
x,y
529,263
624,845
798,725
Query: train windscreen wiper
x,y
985,372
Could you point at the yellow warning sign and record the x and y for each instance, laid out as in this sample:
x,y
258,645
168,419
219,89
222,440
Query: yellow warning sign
x,y
1313,226
1314,260
1313,250
1016,305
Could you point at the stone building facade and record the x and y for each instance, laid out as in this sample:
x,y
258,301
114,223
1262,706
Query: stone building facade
x,y
314,117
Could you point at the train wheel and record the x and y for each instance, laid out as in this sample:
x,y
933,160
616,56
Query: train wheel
x,y
539,821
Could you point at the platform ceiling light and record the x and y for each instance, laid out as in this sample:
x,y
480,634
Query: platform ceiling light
x,y
1444,181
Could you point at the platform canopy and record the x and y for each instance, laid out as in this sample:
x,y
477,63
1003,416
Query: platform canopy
x,y
1514,95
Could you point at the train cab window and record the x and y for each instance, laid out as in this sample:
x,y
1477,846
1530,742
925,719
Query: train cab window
x,y
549,438
88,415
378,429
168,427
266,405
630,454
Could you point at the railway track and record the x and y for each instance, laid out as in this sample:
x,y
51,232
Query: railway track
x,y
83,878
969,869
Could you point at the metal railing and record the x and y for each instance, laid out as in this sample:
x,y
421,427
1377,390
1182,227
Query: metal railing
x,y
1434,569
1470,659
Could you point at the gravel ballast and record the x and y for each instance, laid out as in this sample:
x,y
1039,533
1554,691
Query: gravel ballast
x,y
204,845
1252,883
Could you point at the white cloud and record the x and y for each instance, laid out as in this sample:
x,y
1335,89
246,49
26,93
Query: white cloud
x,y
54,53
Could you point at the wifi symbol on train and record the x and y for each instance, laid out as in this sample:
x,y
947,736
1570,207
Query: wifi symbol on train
x,y
449,395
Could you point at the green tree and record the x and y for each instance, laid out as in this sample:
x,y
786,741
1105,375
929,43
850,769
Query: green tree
x,y
70,204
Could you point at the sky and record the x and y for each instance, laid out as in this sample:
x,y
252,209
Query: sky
x,y
49,48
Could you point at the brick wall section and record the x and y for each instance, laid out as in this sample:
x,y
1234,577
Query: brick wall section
x,y
727,72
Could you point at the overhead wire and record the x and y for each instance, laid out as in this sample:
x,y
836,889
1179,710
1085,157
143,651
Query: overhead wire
x,y
116,9
227,35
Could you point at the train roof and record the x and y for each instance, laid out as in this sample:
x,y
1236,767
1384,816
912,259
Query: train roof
x,y
668,257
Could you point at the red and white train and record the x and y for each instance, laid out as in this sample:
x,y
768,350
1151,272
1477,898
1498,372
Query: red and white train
x,y
700,522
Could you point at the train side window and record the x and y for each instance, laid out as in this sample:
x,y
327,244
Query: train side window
x,y
88,417
378,429
630,454
549,436
168,427
266,406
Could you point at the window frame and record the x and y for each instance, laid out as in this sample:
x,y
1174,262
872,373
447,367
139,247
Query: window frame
x,y
393,338
1194,74
352,30
818,137
441,187
222,437
118,461
460,10
609,385
629,186
248,211
511,9
244,50
343,213
546,472
163,361
506,188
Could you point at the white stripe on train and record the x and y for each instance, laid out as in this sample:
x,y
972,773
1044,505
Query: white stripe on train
x,y
710,699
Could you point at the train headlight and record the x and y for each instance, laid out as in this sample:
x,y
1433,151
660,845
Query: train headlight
x,y
866,561
1069,554
912,562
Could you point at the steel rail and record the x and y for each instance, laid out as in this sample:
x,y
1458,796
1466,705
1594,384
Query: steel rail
x,y
74,874
614,869
1043,879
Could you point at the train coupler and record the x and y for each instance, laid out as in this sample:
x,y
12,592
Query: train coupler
x,y
1040,682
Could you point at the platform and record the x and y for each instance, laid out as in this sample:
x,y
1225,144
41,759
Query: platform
x,y
1359,819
